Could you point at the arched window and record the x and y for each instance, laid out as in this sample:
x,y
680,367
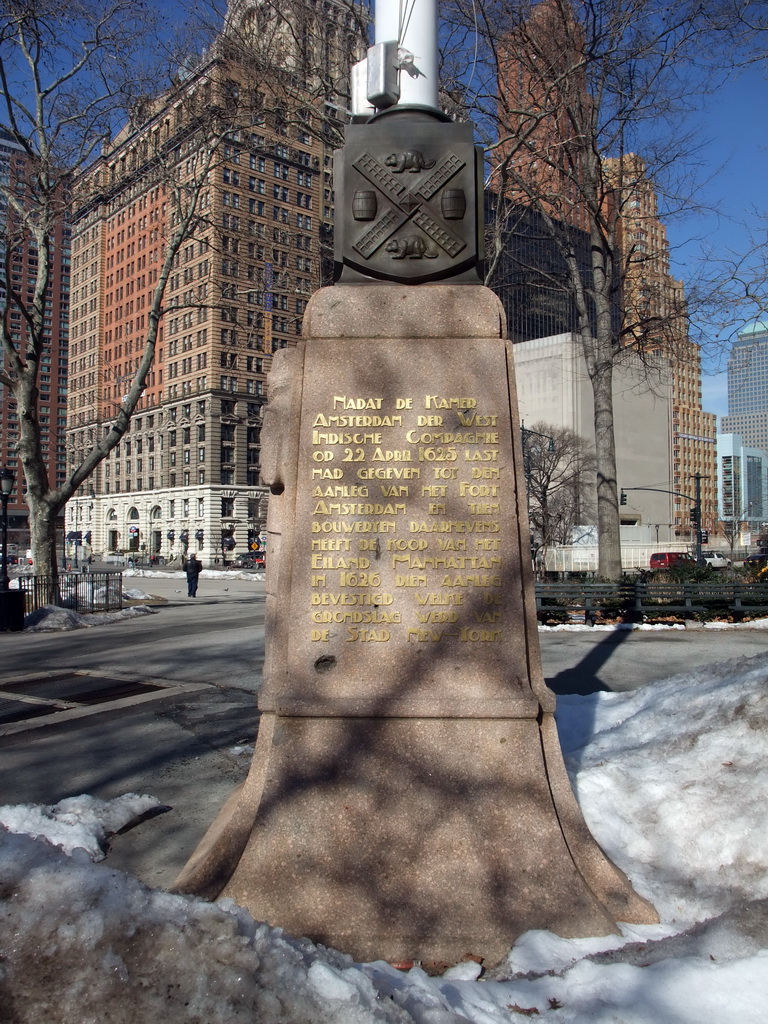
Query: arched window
x,y
133,513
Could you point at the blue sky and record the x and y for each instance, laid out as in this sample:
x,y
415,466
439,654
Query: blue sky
x,y
735,159
736,122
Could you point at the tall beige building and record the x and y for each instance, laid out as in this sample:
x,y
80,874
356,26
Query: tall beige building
x,y
245,133
655,319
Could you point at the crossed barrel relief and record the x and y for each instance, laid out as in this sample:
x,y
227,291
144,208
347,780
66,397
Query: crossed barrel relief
x,y
408,205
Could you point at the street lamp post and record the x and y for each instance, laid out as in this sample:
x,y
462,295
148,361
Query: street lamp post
x,y
11,601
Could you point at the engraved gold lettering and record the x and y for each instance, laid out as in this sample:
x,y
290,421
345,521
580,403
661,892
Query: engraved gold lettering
x,y
479,635
449,561
441,599
477,580
482,456
364,635
395,455
429,617
411,581
345,437
447,437
484,508
487,616
321,420
336,508
381,598
395,491
437,402
485,472
451,526
389,473
331,544
359,579
361,526
373,616
452,543
341,491
474,419
321,561
328,474
319,634
343,402
434,490
478,490
420,635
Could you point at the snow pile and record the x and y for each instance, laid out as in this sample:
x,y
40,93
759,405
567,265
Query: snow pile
x,y
87,944
649,627
670,779
209,574
688,759
51,618
80,822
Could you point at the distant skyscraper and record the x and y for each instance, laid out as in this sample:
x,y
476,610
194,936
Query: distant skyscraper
x,y
655,320
748,388
743,484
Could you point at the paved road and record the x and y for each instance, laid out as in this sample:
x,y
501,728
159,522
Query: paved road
x,y
583,662
188,749
217,637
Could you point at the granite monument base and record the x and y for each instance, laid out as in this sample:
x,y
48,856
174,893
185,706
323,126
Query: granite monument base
x,y
407,798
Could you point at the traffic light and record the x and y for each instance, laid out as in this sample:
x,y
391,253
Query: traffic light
x,y
695,516
623,499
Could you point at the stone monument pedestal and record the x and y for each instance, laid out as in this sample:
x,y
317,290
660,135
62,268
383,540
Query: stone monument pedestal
x,y
407,797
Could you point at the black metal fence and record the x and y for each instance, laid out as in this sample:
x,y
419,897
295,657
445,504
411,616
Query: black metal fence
x,y
82,592
644,600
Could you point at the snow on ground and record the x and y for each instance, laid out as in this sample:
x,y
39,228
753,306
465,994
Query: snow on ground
x,y
51,619
80,822
208,574
671,779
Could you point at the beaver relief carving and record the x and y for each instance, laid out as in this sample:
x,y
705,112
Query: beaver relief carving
x,y
412,161
411,247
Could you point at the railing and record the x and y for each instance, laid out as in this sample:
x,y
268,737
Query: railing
x,y
82,592
643,599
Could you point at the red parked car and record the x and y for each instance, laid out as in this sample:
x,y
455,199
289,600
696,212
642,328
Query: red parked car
x,y
669,559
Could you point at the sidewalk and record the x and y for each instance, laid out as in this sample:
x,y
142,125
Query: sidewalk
x,y
188,745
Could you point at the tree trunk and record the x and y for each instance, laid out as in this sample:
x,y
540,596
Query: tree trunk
x,y
42,531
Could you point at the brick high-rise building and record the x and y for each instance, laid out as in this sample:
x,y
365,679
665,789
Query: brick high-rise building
x,y
186,476
19,259
655,319
541,152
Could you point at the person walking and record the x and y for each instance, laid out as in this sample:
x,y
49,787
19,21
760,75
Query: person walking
x,y
193,568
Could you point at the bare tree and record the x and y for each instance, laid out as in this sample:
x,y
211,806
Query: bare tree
x,y
559,468
565,92
72,92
